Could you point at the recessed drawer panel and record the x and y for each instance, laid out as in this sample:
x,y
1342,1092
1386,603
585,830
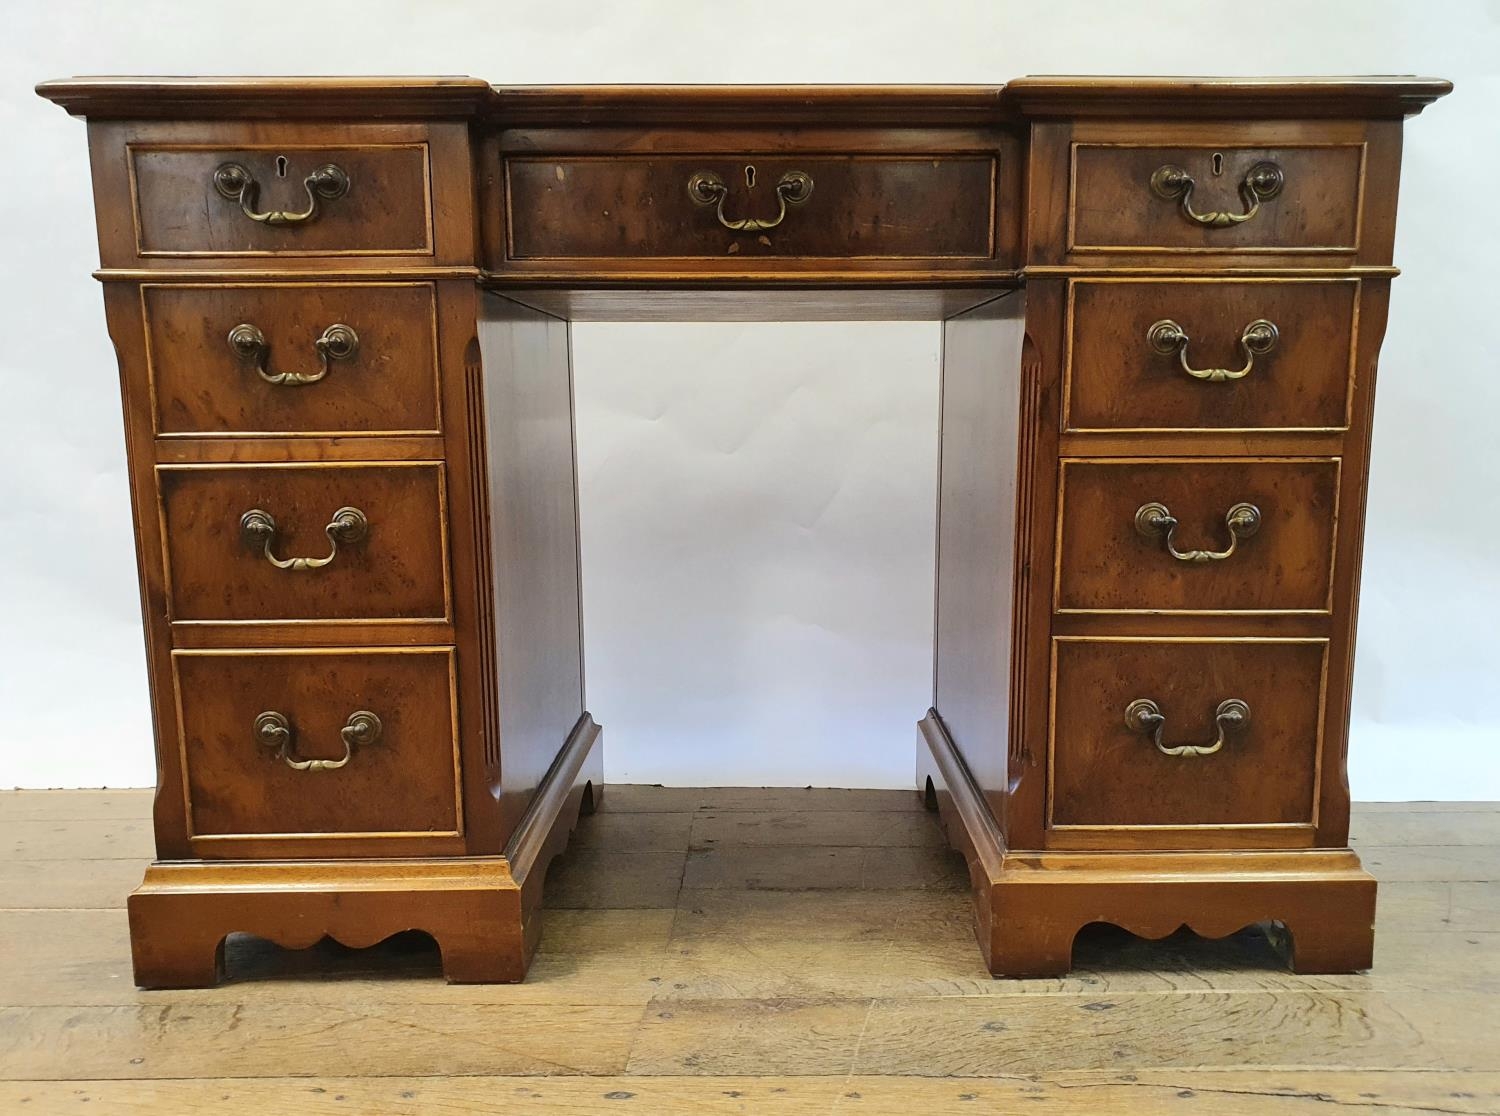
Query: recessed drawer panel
x,y
307,743
713,207
1216,197
1185,733
305,542
262,358
1197,534
281,200
1210,354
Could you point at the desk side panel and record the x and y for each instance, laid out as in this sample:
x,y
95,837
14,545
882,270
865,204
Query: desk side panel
x,y
533,534
977,584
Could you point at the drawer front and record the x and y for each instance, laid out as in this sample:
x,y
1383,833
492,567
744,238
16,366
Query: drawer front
x,y
1254,763
262,358
1210,354
305,542
319,743
281,200
1196,198
1249,535
836,207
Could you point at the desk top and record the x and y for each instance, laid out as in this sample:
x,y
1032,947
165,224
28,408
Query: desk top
x,y
885,105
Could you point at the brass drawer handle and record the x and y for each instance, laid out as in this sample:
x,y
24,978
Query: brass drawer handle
x,y
1154,519
1256,339
236,183
339,342
274,730
707,188
1145,716
258,528
1261,182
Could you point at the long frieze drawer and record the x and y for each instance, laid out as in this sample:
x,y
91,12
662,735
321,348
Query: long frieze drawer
x,y
287,199
308,743
1223,196
336,541
1210,354
717,208
1186,732
1196,535
285,358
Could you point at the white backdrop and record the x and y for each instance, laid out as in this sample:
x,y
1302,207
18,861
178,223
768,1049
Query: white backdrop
x,y
758,501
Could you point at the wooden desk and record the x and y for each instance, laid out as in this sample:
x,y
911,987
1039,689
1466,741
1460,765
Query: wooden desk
x,y
341,311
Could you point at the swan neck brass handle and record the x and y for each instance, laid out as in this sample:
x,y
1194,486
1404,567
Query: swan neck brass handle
x,y
1256,339
347,527
1262,182
1154,520
274,730
707,188
338,342
1144,716
235,182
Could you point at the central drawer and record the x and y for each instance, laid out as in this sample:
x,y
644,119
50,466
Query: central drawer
x,y
306,542
814,206
1196,535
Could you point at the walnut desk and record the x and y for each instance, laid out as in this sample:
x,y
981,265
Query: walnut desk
x,y
341,313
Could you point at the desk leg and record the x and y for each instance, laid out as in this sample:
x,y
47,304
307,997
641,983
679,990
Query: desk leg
x,y
483,912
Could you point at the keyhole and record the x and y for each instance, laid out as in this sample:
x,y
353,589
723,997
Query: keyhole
x,y
1218,163
281,166
750,177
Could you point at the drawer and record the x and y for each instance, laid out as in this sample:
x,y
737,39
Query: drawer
x,y
823,206
1215,196
1210,354
1196,535
1185,733
287,199
313,542
269,358
309,743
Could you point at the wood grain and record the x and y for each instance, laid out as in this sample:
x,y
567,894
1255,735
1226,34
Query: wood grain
x,y
397,571
1114,208
1115,380
404,783
1286,565
1105,774
564,207
201,386
387,209
1191,1092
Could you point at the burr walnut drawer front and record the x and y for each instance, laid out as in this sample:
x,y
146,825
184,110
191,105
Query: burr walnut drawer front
x,y
1210,354
282,199
269,358
733,209
307,542
1185,732
1212,196
1196,535
318,742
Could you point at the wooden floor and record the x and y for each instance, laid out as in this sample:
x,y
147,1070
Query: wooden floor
x,y
750,951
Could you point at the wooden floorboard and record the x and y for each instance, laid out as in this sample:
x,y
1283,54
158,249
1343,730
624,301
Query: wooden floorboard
x,y
747,951
1150,1093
